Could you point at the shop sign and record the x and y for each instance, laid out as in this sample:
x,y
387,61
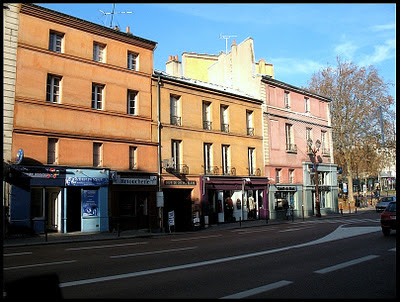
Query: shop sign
x,y
86,181
286,188
171,218
151,181
179,182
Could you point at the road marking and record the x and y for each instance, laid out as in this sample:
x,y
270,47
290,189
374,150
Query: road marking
x,y
345,264
242,232
38,265
103,246
154,252
339,233
294,229
195,238
258,290
17,254
392,250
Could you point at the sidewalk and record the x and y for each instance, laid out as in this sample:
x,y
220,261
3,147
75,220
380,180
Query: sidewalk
x,y
53,238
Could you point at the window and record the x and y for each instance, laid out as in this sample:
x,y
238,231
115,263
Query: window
x,y
308,136
225,159
278,175
55,41
324,143
52,151
176,153
132,157
99,52
291,176
252,166
287,100
53,88
306,105
175,110
97,154
207,158
249,122
207,124
132,102
97,96
290,146
132,61
224,119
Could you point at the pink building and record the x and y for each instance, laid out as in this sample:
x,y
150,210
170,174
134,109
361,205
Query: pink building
x,y
291,116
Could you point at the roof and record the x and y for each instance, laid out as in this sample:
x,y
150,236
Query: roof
x,y
68,20
270,80
206,85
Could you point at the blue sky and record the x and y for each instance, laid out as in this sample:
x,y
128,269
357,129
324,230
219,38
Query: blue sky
x,y
298,39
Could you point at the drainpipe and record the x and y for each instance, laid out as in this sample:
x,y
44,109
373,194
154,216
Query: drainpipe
x,y
160,195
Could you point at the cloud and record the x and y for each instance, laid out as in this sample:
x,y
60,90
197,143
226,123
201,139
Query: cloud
x,y
295,66
381,53
346,50
376,28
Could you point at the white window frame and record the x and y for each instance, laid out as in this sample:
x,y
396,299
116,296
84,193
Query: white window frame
x,y
176,146
207,123
291,176
225,159
132,157
53,90
132,102
289,134
56,40
306,105
99,52
208,158
97,96
52,151
252,159
132,61
97,154
175,117
224,118
287,99
249,122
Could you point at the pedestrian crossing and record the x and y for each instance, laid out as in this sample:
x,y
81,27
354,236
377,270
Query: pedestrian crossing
x,y
345,220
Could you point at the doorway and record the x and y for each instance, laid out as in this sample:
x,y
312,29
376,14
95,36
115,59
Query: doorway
x,y
53,209
179,201
74,209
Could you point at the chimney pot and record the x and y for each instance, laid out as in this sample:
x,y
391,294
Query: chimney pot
x,y
127,29
170,58
176,58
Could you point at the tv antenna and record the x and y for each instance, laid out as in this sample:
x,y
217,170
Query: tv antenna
x,y
226,37
112,13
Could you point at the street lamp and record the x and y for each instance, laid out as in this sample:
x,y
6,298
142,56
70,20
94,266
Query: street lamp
x,y
314,151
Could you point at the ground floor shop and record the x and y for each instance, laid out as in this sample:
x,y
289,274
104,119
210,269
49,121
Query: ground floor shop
x,y
53,199
231,199
132,201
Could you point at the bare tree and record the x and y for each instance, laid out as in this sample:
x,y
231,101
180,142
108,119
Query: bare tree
x,y
357,94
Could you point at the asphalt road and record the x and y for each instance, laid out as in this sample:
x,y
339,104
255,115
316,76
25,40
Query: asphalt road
x,y
329,258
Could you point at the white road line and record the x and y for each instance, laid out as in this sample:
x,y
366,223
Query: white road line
x,y
17,254
294,229
392,250
195,238
254,231
345,264
154,252
103,246
38,265
339,233
258,290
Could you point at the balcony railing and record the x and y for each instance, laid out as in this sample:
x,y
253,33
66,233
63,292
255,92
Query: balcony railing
x,y
212,170
176,120
225,128
227,170
250,131
178,169
207,125
254,172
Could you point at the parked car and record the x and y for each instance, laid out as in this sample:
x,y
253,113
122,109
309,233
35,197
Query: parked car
x,y
383,203
388,218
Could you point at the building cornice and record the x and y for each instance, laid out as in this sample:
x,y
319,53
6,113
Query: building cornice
x,y
273,82
73,22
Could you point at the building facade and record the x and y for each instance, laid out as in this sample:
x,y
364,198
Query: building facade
x,y
292,116
82,126
211,152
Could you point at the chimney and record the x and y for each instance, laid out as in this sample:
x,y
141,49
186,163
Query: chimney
x,y
173,66
128,30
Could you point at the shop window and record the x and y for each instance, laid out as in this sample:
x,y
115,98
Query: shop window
x,y
283,199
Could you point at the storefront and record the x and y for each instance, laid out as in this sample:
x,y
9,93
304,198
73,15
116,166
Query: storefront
x,y
284,197
36,198
86,195
133,201
230,199
181,199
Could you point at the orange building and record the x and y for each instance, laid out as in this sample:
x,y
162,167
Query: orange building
x,y
211,151
82,126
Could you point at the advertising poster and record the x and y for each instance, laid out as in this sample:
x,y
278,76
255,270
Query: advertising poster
x,y
90,203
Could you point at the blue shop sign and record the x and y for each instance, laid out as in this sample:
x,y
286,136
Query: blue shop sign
x,y
86,181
